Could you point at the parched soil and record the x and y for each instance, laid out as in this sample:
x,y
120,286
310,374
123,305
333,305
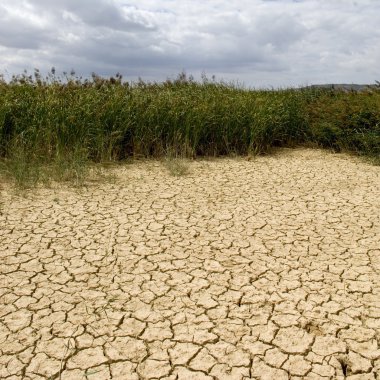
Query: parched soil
x,y
243,269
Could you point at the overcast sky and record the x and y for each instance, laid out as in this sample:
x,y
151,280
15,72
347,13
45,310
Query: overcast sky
x,y
256,42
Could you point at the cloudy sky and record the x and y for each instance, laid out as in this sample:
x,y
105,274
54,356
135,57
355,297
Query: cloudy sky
x,y
260,43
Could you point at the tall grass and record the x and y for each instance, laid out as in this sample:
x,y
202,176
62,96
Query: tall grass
x,y
53,127
347,121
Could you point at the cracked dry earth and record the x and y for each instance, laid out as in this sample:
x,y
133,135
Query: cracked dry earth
x,y
261,269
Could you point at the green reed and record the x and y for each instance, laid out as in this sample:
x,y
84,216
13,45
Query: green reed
x,y
53,127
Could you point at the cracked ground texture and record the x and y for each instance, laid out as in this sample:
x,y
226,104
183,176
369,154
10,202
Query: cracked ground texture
x,y
243,269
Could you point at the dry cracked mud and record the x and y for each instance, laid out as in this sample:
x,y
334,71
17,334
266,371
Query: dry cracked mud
x,y
243,269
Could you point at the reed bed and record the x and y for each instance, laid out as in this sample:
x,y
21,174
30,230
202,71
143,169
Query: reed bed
x,y
54,127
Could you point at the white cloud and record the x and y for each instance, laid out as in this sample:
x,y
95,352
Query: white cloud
x,y
258,42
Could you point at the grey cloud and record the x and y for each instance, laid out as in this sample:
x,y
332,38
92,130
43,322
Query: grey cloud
x,y
11,37
256,41
100,13
108,15
280,31
18,33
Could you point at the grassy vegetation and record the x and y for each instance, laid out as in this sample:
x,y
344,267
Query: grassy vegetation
x,y
177,167
52,128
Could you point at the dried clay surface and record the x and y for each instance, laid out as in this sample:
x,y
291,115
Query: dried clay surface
x,y
243,269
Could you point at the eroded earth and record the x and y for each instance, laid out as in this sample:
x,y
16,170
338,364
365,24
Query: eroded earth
x,y
243,269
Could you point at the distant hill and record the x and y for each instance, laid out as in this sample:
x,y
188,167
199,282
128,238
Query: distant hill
x,y
345,87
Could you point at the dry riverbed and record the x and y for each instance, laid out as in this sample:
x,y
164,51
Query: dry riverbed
x,y
243,269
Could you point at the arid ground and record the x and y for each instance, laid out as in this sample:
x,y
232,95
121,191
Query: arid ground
x,y
242,269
